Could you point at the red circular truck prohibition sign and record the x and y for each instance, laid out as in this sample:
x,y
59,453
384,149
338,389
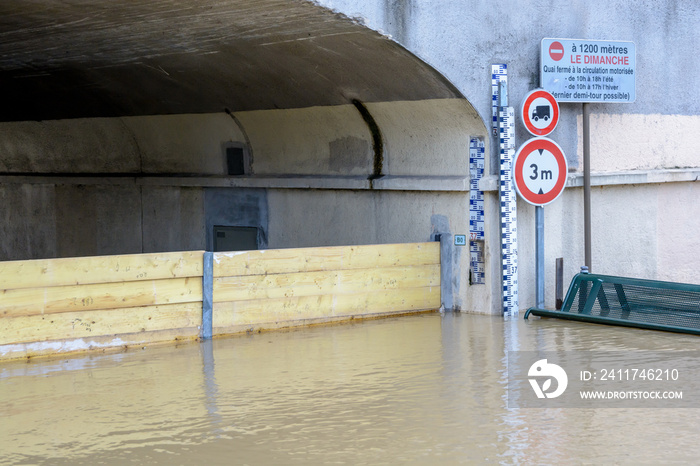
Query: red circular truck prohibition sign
x,y
556,50
539,112
540,171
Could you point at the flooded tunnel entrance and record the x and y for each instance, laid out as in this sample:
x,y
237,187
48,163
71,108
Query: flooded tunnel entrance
x,y
117,132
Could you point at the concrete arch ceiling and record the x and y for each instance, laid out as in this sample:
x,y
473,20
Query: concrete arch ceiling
x,y
91,58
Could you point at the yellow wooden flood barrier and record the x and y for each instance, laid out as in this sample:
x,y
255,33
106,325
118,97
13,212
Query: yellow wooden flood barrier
x,y
76,304
272,288
68,305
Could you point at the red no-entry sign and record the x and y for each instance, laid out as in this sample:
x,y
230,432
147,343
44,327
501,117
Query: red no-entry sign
x,y
540,171
556,50
539,112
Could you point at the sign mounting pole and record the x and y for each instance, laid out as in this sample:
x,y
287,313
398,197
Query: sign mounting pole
x,y
539,256
507,196
587,186
540,115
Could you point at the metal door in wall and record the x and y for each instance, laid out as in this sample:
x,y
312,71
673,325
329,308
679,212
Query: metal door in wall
x,y
229,238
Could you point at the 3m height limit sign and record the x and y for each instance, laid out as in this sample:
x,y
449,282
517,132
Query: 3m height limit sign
x,y
580,70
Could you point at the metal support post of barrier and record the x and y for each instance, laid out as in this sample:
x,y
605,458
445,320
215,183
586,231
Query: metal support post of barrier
x,y
207,294
446,252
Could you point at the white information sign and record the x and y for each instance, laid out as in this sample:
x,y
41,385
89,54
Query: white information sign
x,y
581,70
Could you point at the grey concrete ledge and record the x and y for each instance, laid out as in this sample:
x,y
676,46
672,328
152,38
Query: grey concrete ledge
x,y
675,175
575,180
422,183
285,182
279,182
397,183
387,183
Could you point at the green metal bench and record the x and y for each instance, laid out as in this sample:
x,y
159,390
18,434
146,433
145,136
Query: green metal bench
x,y
630,302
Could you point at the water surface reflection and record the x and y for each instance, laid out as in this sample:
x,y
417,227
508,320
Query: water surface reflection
x,y
420,389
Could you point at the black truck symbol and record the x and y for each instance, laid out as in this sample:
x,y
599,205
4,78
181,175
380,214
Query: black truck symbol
x,y
541,111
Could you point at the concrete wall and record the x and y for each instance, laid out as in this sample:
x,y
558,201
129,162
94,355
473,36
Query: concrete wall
x,y
644,161
171,144
640,142
333,217
423,190
75,187
97,206
428,138
462,38
50,220
420,138
173,218
152,184
309,141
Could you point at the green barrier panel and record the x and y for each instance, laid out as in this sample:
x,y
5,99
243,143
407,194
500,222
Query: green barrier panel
x,y
631,302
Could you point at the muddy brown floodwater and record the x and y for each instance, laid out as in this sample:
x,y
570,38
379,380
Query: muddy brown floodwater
x,y
424,389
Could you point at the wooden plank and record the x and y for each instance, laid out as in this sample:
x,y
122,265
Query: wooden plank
x,y
272,310
300,308
101,343
276,261
324,282
99,269
90,324
50,300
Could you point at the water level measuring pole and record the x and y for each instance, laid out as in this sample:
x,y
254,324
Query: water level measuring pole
x,y
507,195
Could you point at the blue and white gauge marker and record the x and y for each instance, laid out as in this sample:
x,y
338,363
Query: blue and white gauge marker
x,y
477,161
507,194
